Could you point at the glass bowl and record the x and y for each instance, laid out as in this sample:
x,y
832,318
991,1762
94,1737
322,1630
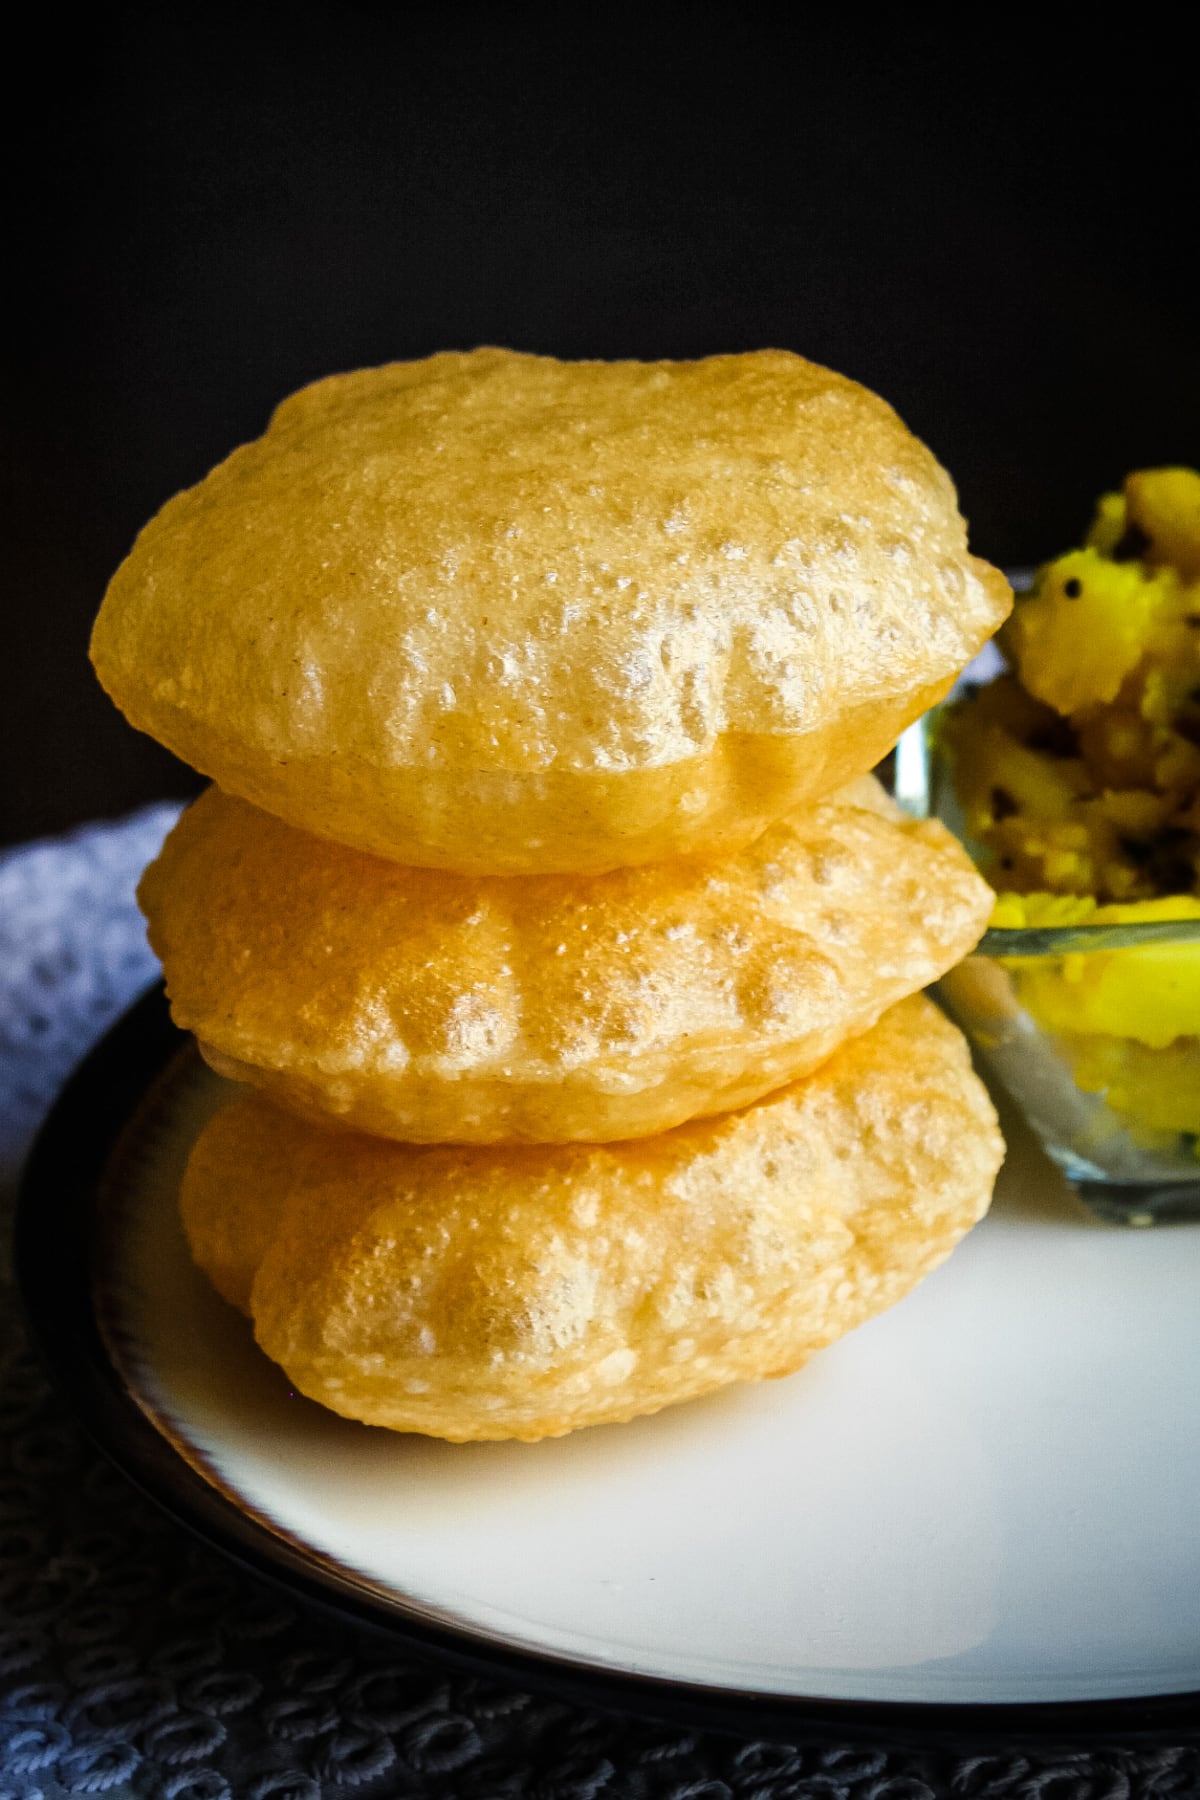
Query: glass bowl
x,y
1106,1108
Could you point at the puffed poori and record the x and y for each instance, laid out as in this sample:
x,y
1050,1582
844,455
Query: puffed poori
x,y
442,1008
497,613
523,1292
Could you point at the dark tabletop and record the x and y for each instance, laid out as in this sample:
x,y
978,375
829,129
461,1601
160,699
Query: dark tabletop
x,y
212,206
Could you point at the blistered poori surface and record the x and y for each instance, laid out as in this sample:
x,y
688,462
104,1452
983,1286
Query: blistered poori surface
x,y
522,1292
496,612
451,1008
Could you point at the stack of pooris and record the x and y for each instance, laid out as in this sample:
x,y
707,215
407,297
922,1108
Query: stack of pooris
x,y
543,896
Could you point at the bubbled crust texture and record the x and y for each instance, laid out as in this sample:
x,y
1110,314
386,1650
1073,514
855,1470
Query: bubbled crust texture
x,y
524,1292
499,613
440,1008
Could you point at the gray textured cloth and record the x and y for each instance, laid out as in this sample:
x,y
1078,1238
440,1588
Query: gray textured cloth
x,y
135,1661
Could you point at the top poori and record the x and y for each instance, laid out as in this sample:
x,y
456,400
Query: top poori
x,y
496,613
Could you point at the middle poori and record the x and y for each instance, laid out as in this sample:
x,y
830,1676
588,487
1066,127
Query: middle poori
x,y
432,1007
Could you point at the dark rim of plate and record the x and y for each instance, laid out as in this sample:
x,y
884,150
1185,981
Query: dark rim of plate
x,y
54,1262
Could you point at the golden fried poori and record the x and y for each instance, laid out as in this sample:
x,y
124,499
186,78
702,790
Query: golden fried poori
x,y
496,613
441,1008
523,1292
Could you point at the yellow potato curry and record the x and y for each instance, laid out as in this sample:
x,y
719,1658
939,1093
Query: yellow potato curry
x,y
1078,772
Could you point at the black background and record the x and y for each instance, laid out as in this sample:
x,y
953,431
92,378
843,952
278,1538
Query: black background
x,y
993,229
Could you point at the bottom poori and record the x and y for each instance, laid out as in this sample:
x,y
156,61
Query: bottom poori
x,y
524,1291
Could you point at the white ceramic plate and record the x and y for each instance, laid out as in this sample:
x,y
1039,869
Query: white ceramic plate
x,y
986,1498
